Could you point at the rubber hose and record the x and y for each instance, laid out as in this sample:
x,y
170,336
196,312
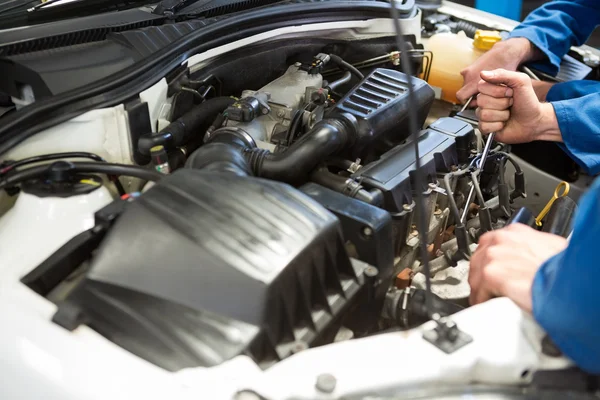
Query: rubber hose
x,y
180,131
293,165
344,79
337,60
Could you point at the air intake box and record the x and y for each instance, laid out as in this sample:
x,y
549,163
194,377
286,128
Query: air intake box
x,y
380,105
207,266
444,144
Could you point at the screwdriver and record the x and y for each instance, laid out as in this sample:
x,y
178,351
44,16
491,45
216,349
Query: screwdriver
x,y
484,156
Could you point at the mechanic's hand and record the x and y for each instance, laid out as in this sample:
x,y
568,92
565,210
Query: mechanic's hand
x,y
507,54
509,106
507,260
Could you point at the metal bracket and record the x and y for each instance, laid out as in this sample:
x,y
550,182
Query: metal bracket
x,y
446,336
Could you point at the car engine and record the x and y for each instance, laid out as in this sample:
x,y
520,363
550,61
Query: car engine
x,y
270,212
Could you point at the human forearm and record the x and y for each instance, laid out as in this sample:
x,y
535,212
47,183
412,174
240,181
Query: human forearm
x,y
558,25
564,293
548,128
522,48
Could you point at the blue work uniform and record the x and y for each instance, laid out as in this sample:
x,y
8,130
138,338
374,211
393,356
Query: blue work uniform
x,y
554,28
566,294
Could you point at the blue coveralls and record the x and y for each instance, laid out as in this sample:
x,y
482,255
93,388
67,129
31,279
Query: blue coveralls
x,y
566,290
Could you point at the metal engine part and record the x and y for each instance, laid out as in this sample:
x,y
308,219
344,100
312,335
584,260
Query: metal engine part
x,y
285,94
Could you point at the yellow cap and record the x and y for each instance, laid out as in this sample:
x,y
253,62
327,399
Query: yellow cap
x,y
484,40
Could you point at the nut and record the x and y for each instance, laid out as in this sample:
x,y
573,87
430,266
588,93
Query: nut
x,y
371,271
367,231
326,383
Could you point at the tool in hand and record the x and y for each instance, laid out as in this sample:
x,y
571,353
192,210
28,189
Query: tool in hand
x,y
484,156
467,104
561,191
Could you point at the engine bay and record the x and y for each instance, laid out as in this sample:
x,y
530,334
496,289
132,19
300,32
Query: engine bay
x,y
270,205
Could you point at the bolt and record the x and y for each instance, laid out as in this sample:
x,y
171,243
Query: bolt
x,y
281,113
298,346
454,168
451,331
313,117
297,64
437,212
432,186
367,231
371,272
407,207
326,383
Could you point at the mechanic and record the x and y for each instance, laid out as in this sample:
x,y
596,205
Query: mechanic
x,y
547,275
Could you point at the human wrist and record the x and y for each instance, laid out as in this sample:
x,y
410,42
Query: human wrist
x,y
542,88
521,49
547,127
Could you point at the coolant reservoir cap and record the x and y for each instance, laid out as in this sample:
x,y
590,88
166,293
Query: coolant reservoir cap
x,y
60,171
484,40
61,181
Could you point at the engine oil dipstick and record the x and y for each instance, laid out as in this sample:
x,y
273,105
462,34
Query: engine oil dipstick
x,y
561,191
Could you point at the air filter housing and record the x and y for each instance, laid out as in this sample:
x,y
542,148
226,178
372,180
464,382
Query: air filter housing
x,y
207,266
380,104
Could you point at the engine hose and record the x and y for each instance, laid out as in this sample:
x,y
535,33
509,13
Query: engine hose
x,y
460,231
293,165
337,60
344,79
220,158
180,131
346,186
468,28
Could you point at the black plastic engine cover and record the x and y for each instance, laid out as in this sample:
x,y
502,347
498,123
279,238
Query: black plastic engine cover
x,y
380,105
444,144
206,266
369,230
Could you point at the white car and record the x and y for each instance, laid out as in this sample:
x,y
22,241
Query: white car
x,y
221,200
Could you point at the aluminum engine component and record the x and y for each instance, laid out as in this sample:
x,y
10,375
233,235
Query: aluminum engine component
x,y
286,94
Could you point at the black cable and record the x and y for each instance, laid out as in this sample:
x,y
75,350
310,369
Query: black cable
x,y
449,194
115,180
296,124
337,60
422,224
50,157
82,167
512,161
60,156
478,192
